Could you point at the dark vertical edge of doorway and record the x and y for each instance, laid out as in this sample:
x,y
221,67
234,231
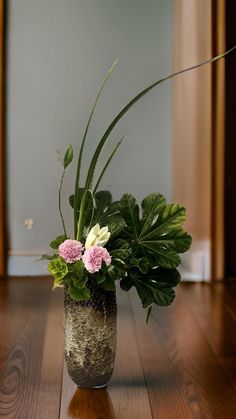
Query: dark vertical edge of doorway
x,y
3,245
230,143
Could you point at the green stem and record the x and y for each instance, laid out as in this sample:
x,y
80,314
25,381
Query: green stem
x,y
77,180
59,202
107,163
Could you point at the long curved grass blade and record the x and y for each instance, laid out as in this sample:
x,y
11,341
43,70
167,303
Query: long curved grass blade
x,y
131,103
77,180
87,205
108,162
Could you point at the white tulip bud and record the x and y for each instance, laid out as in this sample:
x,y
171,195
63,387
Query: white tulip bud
x,y
97,236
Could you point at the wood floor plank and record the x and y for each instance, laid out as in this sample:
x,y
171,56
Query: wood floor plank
x,y
23,316
126,396
209,304
52,360
229,365
230,293
181,365
189,381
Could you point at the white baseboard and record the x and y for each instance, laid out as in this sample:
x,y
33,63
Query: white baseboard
x,y
26,266
196,263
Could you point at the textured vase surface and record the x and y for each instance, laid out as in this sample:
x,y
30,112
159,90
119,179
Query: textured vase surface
x,y
90,337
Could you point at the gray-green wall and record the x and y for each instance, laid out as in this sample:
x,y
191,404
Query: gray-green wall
x,y
58,53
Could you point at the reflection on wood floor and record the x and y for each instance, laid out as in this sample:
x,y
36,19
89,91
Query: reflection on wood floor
x,y
181,365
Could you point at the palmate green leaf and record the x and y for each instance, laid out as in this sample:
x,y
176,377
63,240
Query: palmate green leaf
x,y
158,235
126,283
171,217
108,284
121,253
177,240
156,287
115,224
126,108
120,244
72,198
103,200
151,207
162,256
141,263
107,213
130,211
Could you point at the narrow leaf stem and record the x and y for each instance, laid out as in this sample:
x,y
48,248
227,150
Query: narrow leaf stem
x,y
107,163
59,202
77,180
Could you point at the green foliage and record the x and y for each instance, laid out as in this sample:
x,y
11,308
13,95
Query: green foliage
x,y
154,287
87,209
68,156
57,241
79,293
48,257
141,263
58,268
144,245
157,234
104,211
144,248
76,282
78,269
58,282
121,253
107,213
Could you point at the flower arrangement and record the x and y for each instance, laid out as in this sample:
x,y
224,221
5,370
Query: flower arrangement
x,y
139,246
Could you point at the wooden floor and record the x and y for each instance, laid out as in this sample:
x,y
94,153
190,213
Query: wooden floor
x,y
182,365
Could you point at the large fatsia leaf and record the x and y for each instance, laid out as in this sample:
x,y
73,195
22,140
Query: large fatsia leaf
x,y
107,213
103,200
72,198
158,235
156,287
130,212
177,240
171,217
151,207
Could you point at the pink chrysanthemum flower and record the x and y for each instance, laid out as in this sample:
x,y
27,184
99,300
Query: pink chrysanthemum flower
x,y
71,250
93,257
